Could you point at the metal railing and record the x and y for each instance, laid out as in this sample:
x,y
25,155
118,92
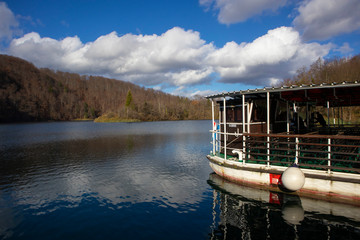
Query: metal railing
x,y
339,153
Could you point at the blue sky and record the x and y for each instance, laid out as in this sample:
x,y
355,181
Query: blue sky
x,y
183,47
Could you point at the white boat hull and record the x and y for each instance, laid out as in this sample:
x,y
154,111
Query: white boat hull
x,y
318,184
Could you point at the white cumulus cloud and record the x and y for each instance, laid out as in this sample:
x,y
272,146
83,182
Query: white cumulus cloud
x,y
274,56
176,58
323,19
233,11
66,54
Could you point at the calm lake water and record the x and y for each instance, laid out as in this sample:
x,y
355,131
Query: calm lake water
x,y
85,180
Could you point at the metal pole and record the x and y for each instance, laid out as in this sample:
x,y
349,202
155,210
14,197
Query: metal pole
x,y
247,118
249,113
329,154
268,127
243,123
287,118
213,123
225,136
296,150
328,113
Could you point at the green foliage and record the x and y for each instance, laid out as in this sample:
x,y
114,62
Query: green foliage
x,y
92,112
128,99
86,107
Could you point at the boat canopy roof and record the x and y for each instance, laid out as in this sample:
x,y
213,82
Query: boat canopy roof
x,y
338,94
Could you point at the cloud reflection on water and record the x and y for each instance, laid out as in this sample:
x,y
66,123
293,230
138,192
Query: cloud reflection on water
x,y
113,169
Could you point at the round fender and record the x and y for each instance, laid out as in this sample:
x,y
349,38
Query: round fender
x,y
293,178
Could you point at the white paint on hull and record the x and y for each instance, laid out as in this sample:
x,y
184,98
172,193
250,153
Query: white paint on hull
x,y
310,206
239,172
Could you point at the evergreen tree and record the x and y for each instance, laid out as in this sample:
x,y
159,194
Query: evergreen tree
x,y
128,102
128,99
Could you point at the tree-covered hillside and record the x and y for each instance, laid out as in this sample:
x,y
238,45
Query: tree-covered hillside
x,y
333,70
336,70
31,94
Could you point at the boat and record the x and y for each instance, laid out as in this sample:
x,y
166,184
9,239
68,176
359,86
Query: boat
x,y
291,139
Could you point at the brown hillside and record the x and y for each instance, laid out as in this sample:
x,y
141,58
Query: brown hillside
x,y
31,94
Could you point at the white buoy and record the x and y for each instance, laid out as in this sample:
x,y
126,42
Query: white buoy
x,y
293,178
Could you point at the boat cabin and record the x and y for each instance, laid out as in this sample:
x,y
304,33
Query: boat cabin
x,y
263,123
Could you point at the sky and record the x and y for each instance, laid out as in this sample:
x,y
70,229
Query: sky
x,y
182,47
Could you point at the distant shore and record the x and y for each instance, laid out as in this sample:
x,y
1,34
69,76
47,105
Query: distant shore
x,y
106,119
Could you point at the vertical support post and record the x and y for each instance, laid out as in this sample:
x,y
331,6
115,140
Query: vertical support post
x,y
287,124
296,150
219,134
249,113
287,118
247,118
329,154
268,127
213,123
328,112
307,111
225,131
243,123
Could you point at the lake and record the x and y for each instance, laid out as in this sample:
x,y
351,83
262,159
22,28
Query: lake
x,y
151,180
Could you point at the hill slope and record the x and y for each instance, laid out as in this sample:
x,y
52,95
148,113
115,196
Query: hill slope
x,y
31,94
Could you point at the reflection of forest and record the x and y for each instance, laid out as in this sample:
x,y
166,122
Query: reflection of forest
x,y
31,94
260,214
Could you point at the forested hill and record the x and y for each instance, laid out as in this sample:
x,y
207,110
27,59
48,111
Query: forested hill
x,y
31,94
333,70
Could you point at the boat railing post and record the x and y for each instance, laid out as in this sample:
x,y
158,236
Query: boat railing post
x,y
296,150
268,127
328,112
214,125
243,124
225,133
287,118
219,137
329,154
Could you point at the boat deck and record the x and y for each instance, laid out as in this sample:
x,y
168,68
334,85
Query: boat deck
x,y
337,153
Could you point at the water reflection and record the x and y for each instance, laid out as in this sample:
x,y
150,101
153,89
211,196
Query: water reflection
x,y
111,168
118,176
241,212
